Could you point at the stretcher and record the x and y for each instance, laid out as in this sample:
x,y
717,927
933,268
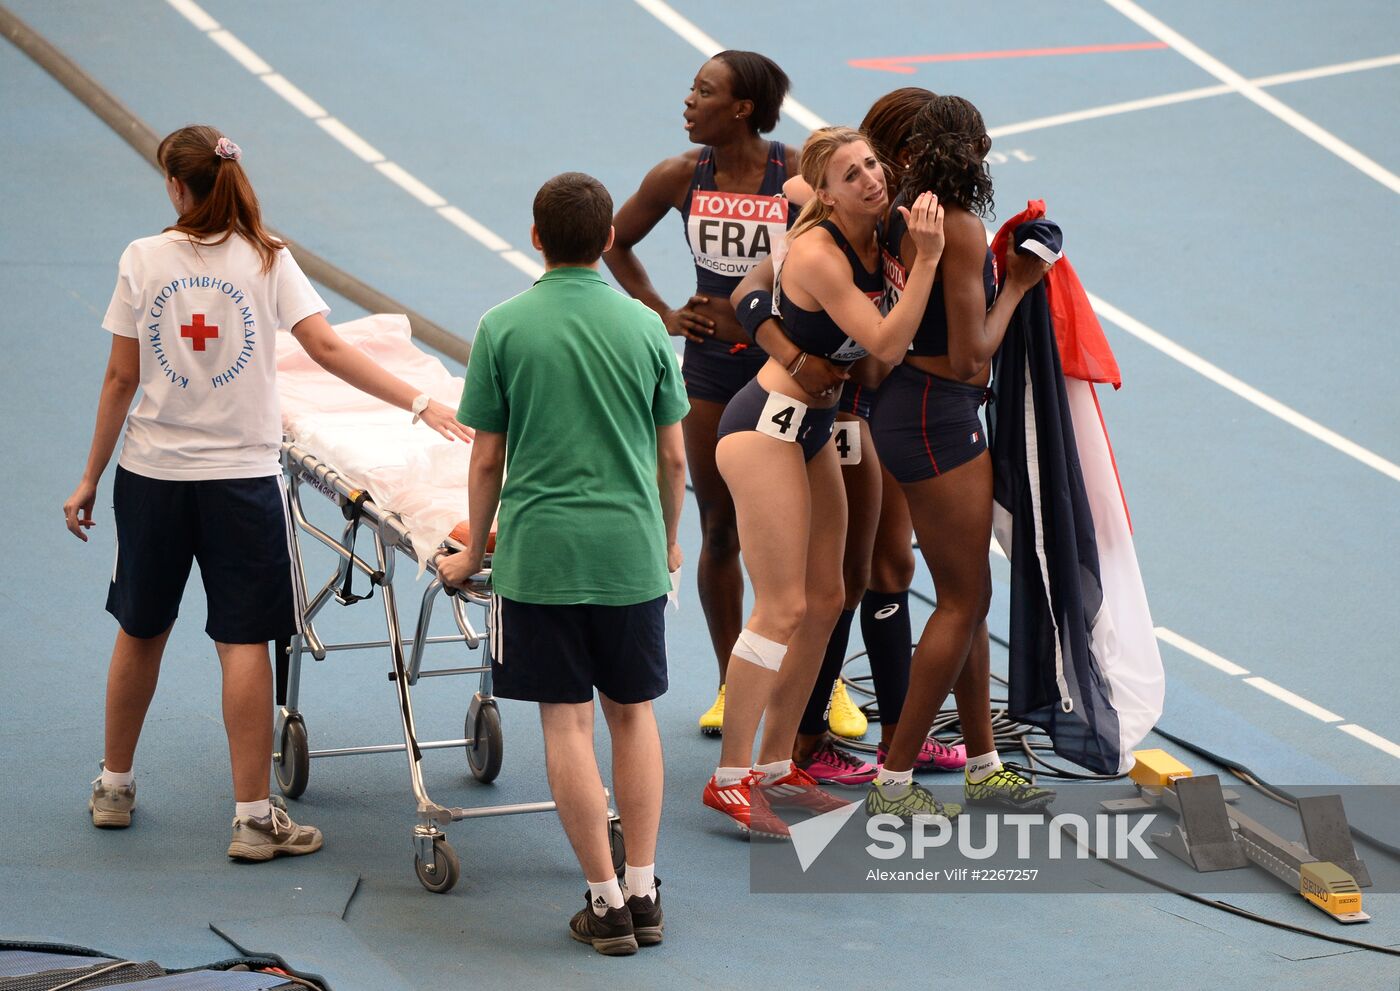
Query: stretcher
x,y
402,489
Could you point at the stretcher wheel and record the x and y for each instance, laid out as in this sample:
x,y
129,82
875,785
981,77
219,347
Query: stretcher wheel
x,y
488,743
292,765
445,871
615,841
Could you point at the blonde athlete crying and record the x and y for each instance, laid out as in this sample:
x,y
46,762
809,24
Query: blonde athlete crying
x,y
879,559
193,319
785,478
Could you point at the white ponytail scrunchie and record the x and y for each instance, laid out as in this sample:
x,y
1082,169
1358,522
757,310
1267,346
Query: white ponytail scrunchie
x,y
227,149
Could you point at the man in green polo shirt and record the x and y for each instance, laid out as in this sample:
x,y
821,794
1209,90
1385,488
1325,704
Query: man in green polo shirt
x,y
576,388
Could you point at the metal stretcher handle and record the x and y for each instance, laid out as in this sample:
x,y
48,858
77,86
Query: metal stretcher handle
x,y
478,590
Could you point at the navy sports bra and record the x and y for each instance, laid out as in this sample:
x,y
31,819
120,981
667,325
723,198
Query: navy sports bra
x,y
931,340
815,332
730,233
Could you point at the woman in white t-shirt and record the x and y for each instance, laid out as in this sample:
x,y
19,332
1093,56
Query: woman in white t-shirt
x,y
193,320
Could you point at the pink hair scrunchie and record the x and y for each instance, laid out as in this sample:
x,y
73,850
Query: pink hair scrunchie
x,y
227,149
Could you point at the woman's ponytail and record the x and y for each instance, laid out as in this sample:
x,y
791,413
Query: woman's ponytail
x,y
224,202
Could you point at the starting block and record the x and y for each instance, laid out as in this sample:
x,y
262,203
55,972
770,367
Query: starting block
x,y
1212,836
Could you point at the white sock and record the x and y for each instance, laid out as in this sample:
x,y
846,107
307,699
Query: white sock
x,y
982,768
252,810
117,779
726,777
604,895
640,881
775,770
894,784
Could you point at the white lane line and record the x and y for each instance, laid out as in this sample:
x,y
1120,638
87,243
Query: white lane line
x,y
708,47
284,88
1374,739
1250,91
524,262
1246,392
1200,653
336,129
367,152
1276,691
1297,701
488,238
1108,110
195,14
1341,68
414,186
242,53
1188,95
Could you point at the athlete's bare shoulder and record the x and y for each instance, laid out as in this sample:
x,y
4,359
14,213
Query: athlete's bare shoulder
x,y
811,244
669,179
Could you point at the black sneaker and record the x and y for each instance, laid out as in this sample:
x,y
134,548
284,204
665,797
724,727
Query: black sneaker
x,y
610,933
647,920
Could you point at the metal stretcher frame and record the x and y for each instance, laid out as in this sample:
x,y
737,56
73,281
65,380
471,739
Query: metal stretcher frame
x,y
435,862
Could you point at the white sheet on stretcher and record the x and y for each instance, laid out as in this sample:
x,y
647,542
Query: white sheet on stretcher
x,y
407,468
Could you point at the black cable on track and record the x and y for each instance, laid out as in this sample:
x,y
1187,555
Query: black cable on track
x,y
1010,732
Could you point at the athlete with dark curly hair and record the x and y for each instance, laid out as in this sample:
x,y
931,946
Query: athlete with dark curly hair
x,y
931,439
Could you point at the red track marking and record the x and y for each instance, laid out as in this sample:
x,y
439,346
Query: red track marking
x,y
902,63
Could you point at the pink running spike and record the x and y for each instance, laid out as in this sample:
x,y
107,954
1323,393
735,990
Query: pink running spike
x,y
934,756
830,765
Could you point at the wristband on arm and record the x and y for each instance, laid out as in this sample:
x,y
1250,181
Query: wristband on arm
x,y
753,310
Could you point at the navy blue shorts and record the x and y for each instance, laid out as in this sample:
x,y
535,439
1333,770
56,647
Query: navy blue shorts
x,y
236,528
560,653
925,425
715,370
755,408
857,399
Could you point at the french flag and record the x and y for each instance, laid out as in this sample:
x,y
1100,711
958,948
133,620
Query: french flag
x,y
1084,660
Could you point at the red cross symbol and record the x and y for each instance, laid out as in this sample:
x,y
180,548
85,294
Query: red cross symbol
x,y
197,332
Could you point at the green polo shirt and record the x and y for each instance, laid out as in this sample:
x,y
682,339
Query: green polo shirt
x,y
578,377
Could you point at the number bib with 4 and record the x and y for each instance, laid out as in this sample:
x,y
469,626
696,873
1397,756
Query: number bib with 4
x,y
847,440
781,418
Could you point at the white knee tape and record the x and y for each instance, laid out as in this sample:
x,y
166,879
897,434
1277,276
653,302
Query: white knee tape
x,y
759,650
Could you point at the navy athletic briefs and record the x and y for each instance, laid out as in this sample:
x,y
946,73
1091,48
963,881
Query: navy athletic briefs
x,y
715,370
926,425
750,410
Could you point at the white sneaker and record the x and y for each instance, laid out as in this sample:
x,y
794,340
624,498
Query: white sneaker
x,y
273,836
111,807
